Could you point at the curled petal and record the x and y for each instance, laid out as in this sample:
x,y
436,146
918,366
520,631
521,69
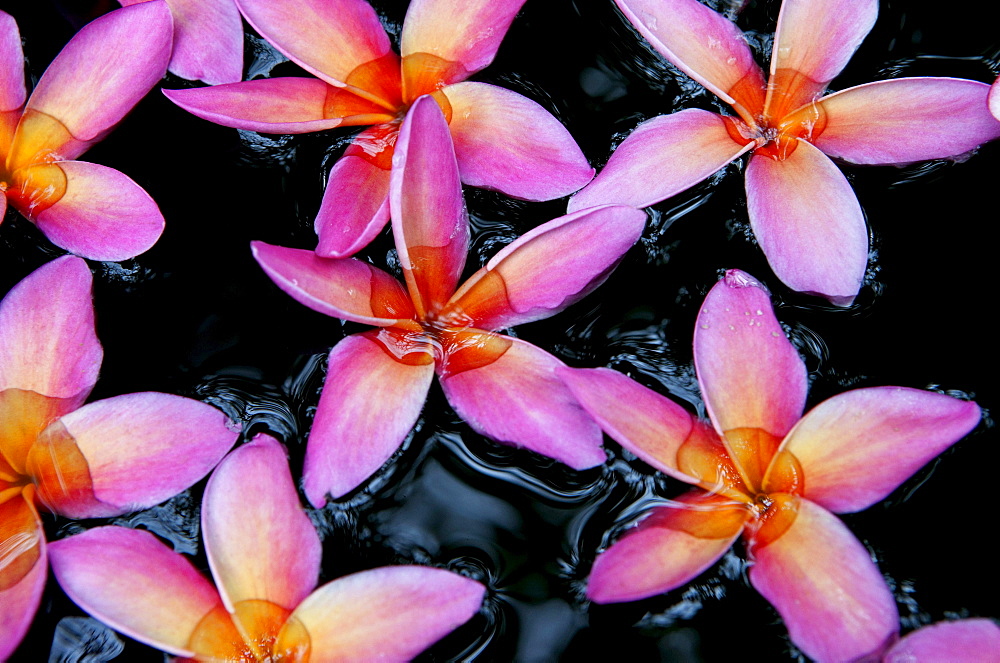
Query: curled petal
x,y
662,157
23,568
809,223
968,640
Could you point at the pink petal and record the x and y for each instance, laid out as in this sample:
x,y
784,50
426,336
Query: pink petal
x,y
548,268
106,68
47,339
673,545
857,447
392,613
519,400
812,43
906,119
662,157
133,583
260,542
994,99
369,403
342,288
749,373
103,215
12,90
808,222
507,142
429,220
822,582
467,33
705,45
966,640
19,601
208,40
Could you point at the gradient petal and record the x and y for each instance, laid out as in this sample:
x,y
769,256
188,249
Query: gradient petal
x,y
259,541
370,401
822,582
519,400
12,89
808,222
133,583
673,545
429,221
662,157
857,447
23,569
341,288
905,120
548,268
966,640
349,618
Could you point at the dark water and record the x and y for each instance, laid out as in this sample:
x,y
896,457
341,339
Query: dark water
x,y
196,316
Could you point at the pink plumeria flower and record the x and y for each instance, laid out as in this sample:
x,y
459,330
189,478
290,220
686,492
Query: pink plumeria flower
x,y
265,557
88,209
97,460
504,388
802,209
960,641
503,140
208,40
763,470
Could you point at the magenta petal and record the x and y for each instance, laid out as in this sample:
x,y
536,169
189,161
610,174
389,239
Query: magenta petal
x,y
750,375
260,542
994,99
369,403
809,223
965,640
12,90
18,604
662,157
507,142
208,40
519,400
355,206
857,447
391,613
823,583
907,119
133,583
47,339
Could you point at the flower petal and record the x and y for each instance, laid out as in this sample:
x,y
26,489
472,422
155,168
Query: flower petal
x,y
967,640
348,619
673,545
548,268
12,89
994,98
133,583
824,585
749,373
429,220
809,223
260,542
905,120
705,45
370,401
857,447
519,400
342,288
662,157
208,40
23,567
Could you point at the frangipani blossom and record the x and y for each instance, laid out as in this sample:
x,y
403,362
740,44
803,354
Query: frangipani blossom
x,y
802,209
762,469
80,461
88,209
503,140
503,387
265,557
964,640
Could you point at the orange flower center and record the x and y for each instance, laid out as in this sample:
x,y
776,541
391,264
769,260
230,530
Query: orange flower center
x,y
257,632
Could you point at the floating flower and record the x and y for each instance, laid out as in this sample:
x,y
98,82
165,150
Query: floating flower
x,y
97,460
265,556
765,471
802,209
504,388
91,210
503,140
965,640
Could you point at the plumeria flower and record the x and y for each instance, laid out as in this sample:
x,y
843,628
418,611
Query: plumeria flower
x,y
762,469
503,140
88,209
98,460
802,209
965,640
503,387
208,40
265,557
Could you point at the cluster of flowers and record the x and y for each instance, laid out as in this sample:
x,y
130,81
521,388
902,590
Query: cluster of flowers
x,y
758,466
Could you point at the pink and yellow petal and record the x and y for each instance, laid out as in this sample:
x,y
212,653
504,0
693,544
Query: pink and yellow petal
x,y
966,640
23,569
12,90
